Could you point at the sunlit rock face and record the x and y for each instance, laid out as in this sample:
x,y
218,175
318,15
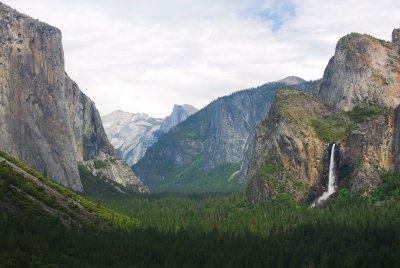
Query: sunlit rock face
x,y
291,147
363,69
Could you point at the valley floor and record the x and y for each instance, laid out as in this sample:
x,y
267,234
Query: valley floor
x,y
213,231
43,224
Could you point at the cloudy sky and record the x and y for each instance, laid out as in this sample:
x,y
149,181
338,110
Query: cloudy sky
x,y
146,55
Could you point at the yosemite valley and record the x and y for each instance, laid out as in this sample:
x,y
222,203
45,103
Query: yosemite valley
x,y
291,173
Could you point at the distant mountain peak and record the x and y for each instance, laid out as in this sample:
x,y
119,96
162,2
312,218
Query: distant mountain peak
x,y
179,114
291,80
133,133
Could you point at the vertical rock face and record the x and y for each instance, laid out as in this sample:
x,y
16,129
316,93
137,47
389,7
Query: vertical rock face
x,y
363,79
366,70
234,119
34,121
371,148
232,123
288,156
291,149
367,152
45,120
90,137
363,69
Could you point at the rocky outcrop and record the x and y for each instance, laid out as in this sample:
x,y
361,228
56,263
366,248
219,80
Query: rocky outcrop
x,y
215,138
178,115
367,152
366,71
117,170
292,80
288,155
396,36
363,80
363,69
291,148
45,120
133,134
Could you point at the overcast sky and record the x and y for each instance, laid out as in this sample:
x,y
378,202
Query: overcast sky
x,y
143,56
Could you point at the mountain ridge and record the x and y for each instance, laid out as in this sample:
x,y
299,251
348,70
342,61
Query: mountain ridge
x,y
28,193
210,142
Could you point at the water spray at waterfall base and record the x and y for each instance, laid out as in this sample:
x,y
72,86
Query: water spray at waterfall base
x,y
332,180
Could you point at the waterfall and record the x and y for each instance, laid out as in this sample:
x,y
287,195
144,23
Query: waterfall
x,y
332,180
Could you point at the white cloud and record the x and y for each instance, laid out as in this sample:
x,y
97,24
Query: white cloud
x,y
144,56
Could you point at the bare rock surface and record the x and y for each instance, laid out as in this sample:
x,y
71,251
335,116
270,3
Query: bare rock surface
x,y
363,69
116,170
45,120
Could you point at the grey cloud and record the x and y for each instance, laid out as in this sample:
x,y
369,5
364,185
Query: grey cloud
x,y
144,56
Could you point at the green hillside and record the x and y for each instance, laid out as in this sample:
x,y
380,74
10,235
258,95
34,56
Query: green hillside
x,y
26,192
45,225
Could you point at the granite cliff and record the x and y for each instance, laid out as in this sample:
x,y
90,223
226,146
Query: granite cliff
x,y
356,107
290,153
34,118
363,69
45,120
364,76
90,137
